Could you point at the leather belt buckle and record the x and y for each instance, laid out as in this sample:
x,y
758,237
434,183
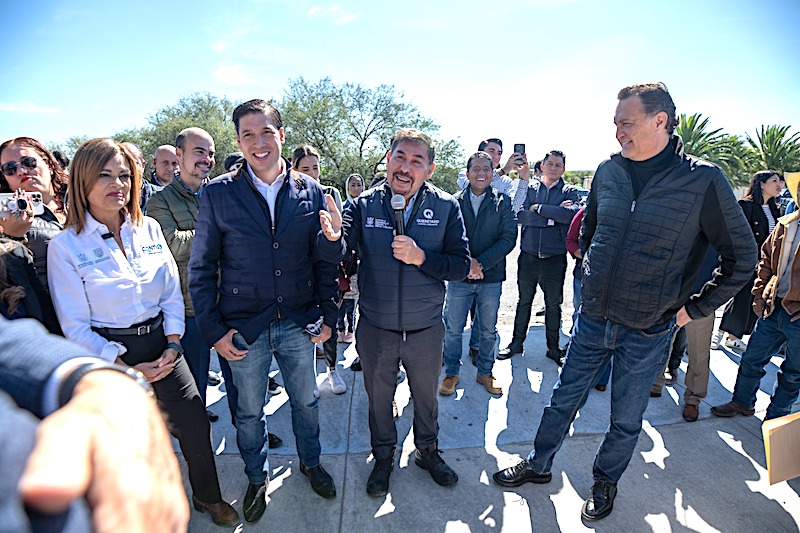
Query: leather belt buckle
x,y
142,330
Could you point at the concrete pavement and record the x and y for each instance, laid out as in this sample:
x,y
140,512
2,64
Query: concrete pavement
x,y
705,476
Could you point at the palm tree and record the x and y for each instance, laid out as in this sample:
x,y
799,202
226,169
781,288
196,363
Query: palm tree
x,y
726,151
771,149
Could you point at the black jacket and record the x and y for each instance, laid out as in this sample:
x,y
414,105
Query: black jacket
x,y
244,273
546,232
393,295
492,234
641,257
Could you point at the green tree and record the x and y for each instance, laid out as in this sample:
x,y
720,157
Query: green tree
x,y
772,149
352,127
726,151
202,110
70,145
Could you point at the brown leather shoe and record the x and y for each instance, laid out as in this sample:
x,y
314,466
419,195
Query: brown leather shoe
x,y
730,409
690,412
490,384
221,512
448,385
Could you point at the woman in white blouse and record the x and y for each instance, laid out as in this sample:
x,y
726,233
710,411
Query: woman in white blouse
x,y
116,289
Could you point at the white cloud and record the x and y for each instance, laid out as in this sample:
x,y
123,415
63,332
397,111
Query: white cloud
x,y
232,75
335,12
26,107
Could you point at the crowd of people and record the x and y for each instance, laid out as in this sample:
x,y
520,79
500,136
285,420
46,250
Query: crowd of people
x,y
147,275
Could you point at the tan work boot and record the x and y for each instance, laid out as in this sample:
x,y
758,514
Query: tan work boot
x,y
448,385
490,384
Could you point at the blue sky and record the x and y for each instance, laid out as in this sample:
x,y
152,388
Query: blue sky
x,y
542,72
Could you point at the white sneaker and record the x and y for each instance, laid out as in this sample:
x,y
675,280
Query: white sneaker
x,y
716,339
316,391
336,382
349,337
736,344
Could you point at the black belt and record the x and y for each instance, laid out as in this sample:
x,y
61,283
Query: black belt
x,y
143,328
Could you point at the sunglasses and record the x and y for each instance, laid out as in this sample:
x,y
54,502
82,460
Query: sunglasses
x,y
10,168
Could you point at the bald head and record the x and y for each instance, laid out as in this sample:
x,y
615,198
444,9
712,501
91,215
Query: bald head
x,y
195,150
165,163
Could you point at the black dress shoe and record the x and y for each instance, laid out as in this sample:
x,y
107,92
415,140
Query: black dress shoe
x,y
473,355
213,378
520,473
274,441
508,353
255,501
212,416
433,463
321,481
557,356
378,482
601,501
355,366
221,512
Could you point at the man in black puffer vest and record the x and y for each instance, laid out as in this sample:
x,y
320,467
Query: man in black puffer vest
x,y
652,212
406,254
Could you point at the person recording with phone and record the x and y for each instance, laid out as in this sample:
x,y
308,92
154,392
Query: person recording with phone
x,y
119,296
410,237
501,182
27,165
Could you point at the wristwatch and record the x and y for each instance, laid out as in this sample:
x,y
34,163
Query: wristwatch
x,y
175,346
71,381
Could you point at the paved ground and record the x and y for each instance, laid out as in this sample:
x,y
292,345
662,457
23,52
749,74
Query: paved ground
x,y
705,476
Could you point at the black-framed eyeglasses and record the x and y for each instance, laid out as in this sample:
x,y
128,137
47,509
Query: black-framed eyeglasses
x,y
10,168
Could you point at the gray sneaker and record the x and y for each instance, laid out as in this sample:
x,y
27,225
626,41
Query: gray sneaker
x,y
336,382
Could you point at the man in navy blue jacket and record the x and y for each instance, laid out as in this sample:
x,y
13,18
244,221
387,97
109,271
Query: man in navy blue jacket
x,y
549,206
263,283
401,286
492,234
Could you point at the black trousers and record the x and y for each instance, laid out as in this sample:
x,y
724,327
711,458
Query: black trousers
x,y
421,353
548,273
183,410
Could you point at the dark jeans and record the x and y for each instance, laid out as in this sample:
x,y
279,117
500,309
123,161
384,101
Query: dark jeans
x,y
183,410
347,311
548,273
639,356
768,336
381,352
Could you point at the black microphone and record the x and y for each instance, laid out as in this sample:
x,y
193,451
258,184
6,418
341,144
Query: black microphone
x,y
399,206
108,235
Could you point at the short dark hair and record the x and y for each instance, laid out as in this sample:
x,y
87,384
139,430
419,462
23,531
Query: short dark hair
x,y
655,98
257,106
554,153
417,137
538,166
480,154
482,146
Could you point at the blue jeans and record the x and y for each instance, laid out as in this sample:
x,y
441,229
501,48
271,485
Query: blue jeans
x,y
768,336
294,351
347,311
458,301
639,357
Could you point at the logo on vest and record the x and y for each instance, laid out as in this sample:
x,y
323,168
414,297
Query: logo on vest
x,y
428,221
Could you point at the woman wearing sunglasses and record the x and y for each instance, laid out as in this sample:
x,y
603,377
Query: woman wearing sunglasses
x,y
119,295
26,164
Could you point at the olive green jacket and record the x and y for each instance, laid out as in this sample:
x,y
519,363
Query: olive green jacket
x,y
175,209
